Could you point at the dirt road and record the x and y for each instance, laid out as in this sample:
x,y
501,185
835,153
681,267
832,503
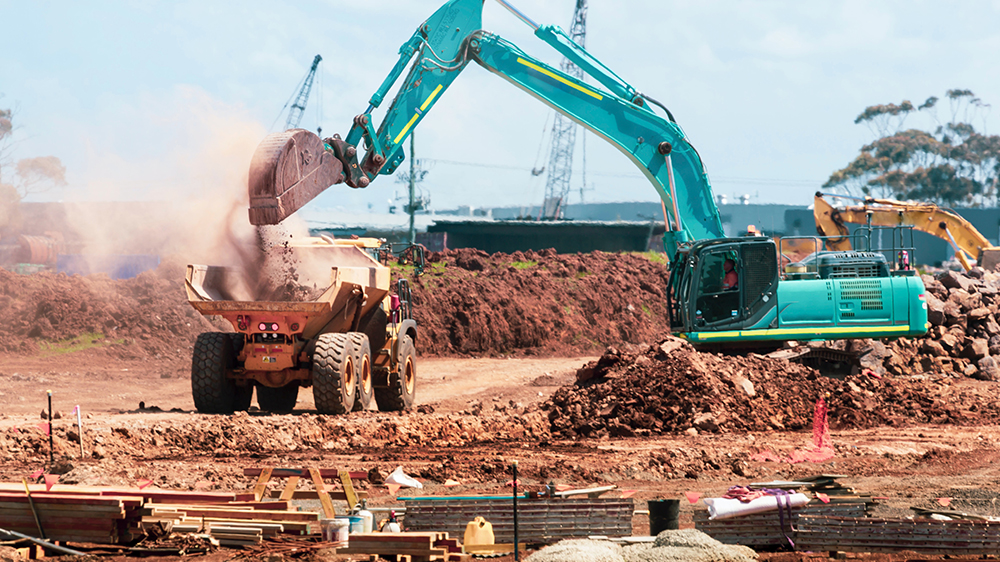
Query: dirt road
x,y
485,413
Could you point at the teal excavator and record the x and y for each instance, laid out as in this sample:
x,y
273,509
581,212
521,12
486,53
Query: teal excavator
x,y
723,292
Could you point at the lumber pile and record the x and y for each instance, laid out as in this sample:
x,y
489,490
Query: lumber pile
x,y
107,515
414,547
72,517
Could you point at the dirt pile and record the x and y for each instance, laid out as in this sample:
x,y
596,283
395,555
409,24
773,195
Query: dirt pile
x,y
147,316
670,387
472,303
964,339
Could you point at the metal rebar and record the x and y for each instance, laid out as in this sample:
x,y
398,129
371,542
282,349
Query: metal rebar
x,y
31,504
516,553
44,543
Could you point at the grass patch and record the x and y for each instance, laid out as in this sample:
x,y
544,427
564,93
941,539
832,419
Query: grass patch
x,y
655,257
646,309
82,342
523,264
581,274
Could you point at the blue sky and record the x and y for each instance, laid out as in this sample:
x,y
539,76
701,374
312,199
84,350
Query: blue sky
x,y
150,99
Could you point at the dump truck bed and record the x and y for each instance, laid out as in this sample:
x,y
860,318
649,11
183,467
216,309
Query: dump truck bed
x,y
353,278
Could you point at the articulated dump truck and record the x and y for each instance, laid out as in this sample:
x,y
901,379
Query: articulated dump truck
x,y
347,337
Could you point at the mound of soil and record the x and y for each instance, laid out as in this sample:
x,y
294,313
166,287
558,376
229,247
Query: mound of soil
x,y
472,303
670,388
468,303
147,316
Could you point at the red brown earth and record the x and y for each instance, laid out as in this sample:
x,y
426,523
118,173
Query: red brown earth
x,y
503,342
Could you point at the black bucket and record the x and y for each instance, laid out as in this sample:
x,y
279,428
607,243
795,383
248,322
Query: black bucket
x,y
663,515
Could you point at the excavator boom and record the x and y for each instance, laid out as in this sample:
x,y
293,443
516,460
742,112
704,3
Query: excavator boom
x,y
289,169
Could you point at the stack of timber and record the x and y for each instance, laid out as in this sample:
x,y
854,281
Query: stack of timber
x,y
414,547
769,528
71,516
540,521
108,515
925,536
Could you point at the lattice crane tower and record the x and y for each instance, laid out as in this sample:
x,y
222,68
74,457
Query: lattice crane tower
x,y
299,107
564,130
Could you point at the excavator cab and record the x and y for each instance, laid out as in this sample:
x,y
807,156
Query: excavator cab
x,y
825,295
700,297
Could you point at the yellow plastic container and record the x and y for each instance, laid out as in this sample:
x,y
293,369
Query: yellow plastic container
x,y
479,531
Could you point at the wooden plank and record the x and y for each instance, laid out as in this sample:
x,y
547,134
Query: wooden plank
x,y
337,495
262,478
254,514
50,522
286,472
289,491
66,499
396,551
324,498
78,511
290,527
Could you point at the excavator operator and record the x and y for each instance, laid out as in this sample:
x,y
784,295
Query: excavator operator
x,y
731,279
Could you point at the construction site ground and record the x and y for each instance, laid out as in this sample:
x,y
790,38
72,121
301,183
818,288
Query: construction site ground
x,y
479,408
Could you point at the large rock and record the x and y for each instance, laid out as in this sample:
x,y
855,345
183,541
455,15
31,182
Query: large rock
x,y
935,310
976,349
933,348
953,280
953,314
978,314
988,369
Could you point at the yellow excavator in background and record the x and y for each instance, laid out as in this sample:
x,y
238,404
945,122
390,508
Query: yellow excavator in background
x,y
967,242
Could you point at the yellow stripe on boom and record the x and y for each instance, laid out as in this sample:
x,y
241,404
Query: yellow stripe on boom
x,y
416,115
555,76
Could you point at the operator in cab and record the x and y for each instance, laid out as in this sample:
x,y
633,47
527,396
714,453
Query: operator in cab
x,y
731,279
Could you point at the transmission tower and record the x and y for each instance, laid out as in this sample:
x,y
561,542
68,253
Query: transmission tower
x,y
299,107
564,130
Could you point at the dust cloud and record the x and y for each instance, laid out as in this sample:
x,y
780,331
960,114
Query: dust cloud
x,y
190,183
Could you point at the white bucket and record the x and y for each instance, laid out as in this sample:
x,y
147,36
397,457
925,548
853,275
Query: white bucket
x,y
334,530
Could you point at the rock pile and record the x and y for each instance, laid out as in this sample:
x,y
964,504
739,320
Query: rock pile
x,y
671,388
964,339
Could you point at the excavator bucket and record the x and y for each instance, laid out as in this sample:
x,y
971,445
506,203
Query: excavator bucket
x,y
288,170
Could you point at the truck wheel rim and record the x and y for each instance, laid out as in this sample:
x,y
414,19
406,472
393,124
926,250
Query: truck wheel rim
x,y
408,376
366,375
349,379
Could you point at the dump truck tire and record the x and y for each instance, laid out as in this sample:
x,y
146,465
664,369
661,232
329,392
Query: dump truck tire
x,y
333,374
281,399
400,393
211,363
244,394
363,368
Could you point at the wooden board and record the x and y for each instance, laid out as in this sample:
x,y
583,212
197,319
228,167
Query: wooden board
x,y
304,472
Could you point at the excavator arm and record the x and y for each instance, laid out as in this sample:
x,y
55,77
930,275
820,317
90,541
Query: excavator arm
x,y
967,242
291,168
